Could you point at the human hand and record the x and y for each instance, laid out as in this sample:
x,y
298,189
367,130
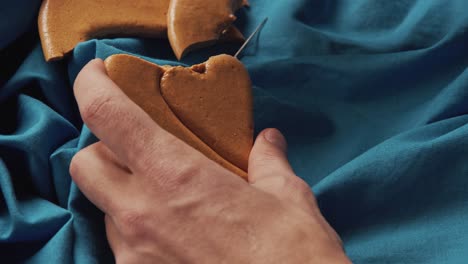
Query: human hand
x,y
167,203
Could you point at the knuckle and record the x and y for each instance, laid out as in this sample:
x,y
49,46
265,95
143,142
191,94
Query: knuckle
x,y
81,158
76,164
98,109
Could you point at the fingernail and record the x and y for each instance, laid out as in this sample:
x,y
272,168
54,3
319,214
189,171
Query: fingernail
x,y
276,138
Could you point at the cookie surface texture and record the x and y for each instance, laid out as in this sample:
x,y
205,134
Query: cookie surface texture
x,y
65,23
214,100
226,143
194,24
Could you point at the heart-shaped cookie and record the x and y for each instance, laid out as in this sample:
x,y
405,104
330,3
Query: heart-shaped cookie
x,y
141,82
214,101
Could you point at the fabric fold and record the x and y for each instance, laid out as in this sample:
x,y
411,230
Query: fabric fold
x,y
371,95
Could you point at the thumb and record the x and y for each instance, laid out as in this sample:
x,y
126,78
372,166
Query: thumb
x,y
269,170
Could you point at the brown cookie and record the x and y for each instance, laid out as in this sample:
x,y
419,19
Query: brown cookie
x,y
224,142
214,101
199,23
65,23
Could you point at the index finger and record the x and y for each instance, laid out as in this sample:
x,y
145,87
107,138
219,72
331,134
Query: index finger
x,y
116,120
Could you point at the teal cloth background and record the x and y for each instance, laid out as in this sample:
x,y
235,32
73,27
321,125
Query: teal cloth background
x,y
371,95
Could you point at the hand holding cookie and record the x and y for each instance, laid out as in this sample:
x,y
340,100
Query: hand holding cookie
x,y
165,202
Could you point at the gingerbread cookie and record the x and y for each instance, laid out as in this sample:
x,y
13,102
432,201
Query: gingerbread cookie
x,y
65,23
214,101
198,23
209,106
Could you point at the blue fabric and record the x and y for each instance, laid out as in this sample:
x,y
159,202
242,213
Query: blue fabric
x,y
372,96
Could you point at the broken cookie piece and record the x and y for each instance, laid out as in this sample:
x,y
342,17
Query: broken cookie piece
x,y
208,106
194,24
65,23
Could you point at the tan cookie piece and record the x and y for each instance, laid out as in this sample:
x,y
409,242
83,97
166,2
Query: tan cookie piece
x,y
214,101
141,81
194,24
65,23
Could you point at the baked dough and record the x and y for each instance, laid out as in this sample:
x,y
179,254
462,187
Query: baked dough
x,y
225,134
198,23
65,23
214,101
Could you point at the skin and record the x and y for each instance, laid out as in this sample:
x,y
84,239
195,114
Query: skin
x,y
167,203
